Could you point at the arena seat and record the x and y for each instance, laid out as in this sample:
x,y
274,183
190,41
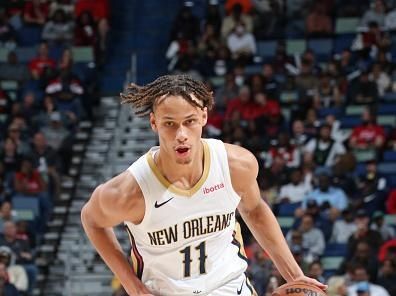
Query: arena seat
x,y
335,249
28,36
3,54
343,41
83,54
387,168
296,46
25,54
323,48
354,109
350,121
287,209
27,203
346,25
331,263
266,48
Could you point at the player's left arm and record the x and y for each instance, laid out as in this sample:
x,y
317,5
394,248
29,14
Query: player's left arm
x,y
258,215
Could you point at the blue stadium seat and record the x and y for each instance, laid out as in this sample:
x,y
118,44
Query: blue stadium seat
x,y
25,54
321,47
387,168
387,109
391,180
287,209
334,249
389,97
253,69
343,41
350,121
323,112
21,202
266,48
29,36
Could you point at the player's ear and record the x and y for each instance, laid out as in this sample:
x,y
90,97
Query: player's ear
x,y
204,116
152,122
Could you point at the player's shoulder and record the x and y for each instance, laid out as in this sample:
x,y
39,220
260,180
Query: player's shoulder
x,y
241,161
119,189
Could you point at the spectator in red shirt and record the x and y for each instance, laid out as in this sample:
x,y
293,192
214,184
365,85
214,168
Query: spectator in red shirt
x,y
35,12
264,106
391,203
41,62
28,180
241,104
368,135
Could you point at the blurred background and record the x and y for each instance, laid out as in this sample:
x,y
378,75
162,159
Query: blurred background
x,y
308,86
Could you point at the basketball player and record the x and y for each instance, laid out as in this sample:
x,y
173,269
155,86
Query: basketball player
x,y
178,204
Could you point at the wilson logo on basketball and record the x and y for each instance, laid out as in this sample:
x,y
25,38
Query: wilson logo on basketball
x,y
207,190
307,292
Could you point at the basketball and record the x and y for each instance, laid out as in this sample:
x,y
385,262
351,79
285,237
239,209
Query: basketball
x,y
298,289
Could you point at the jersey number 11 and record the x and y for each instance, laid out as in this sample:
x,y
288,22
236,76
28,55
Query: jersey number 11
x,y
187,259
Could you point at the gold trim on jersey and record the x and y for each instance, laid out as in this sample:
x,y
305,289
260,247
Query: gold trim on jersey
x,y
186,192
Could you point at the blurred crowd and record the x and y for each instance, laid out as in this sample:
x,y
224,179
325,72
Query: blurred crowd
x,y
315,123
42,101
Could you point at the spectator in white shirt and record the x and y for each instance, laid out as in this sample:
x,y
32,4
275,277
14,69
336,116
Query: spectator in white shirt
x,y
294,191
241,43
343,228
362,286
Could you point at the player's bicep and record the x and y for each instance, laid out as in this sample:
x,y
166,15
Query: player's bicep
x,y
101,210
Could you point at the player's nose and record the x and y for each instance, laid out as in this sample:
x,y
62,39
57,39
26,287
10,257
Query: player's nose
x,y
181,134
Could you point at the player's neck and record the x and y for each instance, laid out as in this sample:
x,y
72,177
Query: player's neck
x,y
184,176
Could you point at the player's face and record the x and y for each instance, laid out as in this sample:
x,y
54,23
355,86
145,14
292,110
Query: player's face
x,y
179,127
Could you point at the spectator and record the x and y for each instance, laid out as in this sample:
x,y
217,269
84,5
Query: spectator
x,y
5,286
271,85
284,149
185,24
65,5
343,228
387,276
315,270
327,94
13,70
368,135
331,199
390,20
7,33
14,11
378,224
375,14
229,90
9,155
67,91
363,256
35,13
267,18
28,180
391,202
242,104
5,110
213,16
307,81
337,286
241,43
55,133
42,62
363,91
17,274
318,23
6,214
22,251
59,30
381,78
85,33
236,17
295,242
313,241
246,6
323,149
387,251
299,137
362,284
363,234
47,162
296,190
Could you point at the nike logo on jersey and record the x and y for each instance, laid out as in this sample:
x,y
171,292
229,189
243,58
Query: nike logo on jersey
x,y
239,291
157,205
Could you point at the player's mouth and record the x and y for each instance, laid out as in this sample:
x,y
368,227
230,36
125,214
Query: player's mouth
x,y
182,150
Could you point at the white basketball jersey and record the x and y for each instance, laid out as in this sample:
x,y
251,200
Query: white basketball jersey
x,y
186,243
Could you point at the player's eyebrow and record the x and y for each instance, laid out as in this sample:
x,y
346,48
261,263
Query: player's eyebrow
x,y
167,117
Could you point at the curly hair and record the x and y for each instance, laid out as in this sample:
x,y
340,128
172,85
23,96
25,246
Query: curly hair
x,y
144,98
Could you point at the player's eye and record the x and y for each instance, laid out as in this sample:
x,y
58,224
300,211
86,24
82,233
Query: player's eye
x,y
191,121
169,123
